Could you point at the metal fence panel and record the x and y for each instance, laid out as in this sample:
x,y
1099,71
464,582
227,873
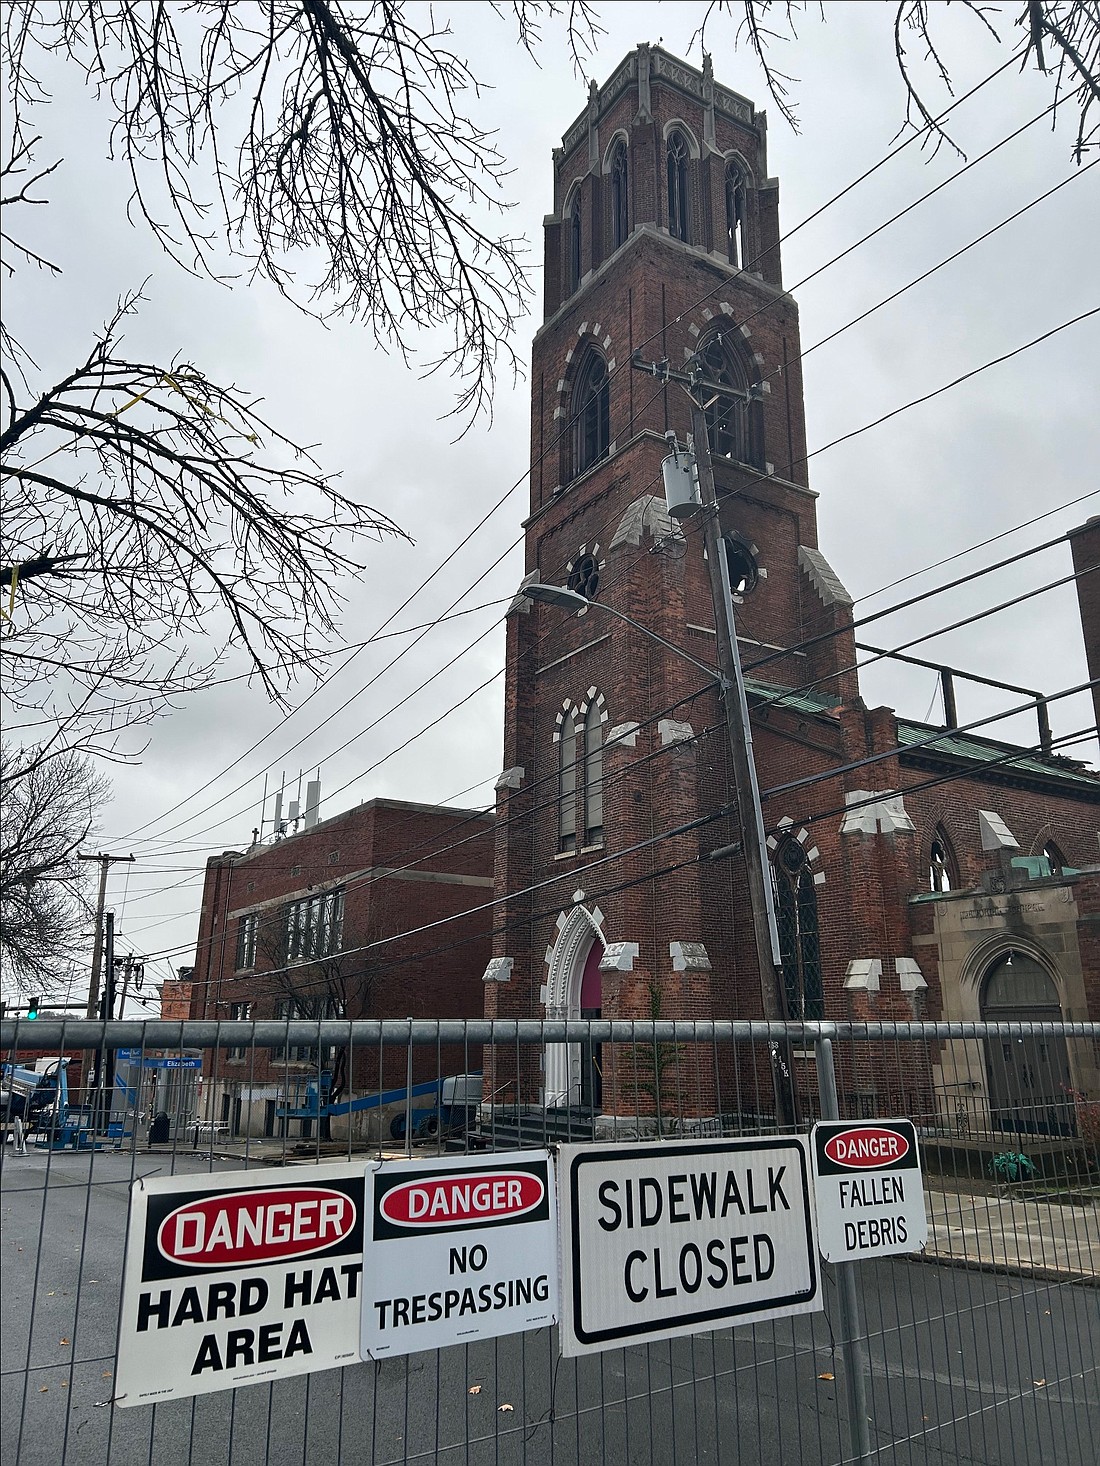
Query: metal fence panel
x,y
983,1349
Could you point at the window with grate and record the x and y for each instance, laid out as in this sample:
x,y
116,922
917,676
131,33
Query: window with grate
x,y
734,424
239,1013
799,940
591,414
314,926
246,940
620,196
735,214
311,1010
678,154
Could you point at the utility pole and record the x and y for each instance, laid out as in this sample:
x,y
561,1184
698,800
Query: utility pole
x,y
735,705
105,862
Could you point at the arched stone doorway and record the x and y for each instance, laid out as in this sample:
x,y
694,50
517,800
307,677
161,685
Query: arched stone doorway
x,y
1028,1074
572,1073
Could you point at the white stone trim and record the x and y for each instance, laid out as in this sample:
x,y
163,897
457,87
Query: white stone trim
x,y
499,969
864,975
689,957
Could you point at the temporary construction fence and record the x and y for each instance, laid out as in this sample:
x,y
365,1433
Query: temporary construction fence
x,y
984,1347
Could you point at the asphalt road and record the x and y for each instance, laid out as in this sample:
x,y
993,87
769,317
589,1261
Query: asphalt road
x,y
964,1367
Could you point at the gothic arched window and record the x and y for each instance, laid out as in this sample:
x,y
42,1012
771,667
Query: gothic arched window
x,y
593,775
620,226
591,414
580,774
567,782
575,267
678,154
735,425
943,874
735,214
799,944
1054,858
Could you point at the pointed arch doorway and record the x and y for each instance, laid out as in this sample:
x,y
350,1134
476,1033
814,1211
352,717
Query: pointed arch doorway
x,y
572,1073
1029,1074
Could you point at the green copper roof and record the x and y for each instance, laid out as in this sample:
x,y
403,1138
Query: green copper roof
x,y
801,702
984,751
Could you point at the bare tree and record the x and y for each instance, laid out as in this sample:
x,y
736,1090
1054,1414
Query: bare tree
x,y
48,806
138,500
1061,37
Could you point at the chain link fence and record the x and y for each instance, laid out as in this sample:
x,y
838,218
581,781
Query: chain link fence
x,y
985,1347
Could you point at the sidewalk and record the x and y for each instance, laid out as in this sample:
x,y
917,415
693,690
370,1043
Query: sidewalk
x,y
1005,1234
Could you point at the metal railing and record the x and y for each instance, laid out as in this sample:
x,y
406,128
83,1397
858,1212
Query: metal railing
x,y
985,1347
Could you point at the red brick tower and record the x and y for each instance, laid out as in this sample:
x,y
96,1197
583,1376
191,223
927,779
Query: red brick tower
x,y
664,241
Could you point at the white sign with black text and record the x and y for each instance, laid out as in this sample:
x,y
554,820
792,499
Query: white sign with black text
x,y
458,1249
660,1240
239,1279
869,1188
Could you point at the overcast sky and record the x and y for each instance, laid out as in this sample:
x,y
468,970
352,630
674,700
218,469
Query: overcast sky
x,y
1015,442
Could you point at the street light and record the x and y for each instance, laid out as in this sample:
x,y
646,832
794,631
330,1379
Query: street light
x,y
570,600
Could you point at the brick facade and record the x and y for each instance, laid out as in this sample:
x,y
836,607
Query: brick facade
x,y
645,880
392,867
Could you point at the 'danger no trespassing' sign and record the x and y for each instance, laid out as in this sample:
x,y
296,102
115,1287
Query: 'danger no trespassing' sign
x,y
870,1193
458,1249
238,1279
662,1240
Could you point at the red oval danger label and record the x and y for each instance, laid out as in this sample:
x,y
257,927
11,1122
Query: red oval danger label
x,y
486,1197
256,1226
868,1146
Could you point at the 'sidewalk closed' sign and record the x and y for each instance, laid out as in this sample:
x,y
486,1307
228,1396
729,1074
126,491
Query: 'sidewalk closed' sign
x,y
662,1240
458,1249
239,1278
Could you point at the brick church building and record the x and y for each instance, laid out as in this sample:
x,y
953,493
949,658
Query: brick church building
x,y
919,871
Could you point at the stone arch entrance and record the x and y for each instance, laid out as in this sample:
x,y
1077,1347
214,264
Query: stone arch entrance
x,y
1028,1074
571,1072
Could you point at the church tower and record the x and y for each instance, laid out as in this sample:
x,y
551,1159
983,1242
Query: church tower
x,y
663,245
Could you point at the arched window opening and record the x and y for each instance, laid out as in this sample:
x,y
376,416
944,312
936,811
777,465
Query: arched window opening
x,y
584,577
799,941
1054,858
591,414
567,783
575,242
593,776
619,196
678,153
744,570
580,776
942,869
735,214
735,425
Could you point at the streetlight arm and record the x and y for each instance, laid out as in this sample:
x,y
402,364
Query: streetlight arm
x,y
570,600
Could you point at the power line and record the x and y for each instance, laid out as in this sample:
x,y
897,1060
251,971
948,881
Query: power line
x,y
836,198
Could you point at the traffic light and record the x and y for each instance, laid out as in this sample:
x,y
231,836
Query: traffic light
x,y
33,1006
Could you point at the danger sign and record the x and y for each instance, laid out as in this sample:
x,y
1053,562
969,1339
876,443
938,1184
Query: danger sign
x,y
869,1189
662,1240
239,1278
458,1250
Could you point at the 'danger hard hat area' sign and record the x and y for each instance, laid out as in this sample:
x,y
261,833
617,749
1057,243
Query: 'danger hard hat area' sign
x,y
239,1278
870,1193
663,1240
458,1249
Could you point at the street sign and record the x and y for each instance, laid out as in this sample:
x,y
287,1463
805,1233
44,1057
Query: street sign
x,y
870,1195
239,1279
667,1239
458,1249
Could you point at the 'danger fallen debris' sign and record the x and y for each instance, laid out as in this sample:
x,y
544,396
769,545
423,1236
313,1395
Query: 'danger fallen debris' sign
x,y
870,1194
662,1240
458,1249
238,1279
